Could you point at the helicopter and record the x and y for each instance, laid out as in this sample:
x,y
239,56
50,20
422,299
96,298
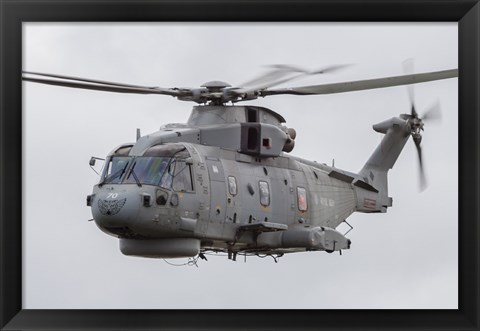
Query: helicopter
x,y
225,180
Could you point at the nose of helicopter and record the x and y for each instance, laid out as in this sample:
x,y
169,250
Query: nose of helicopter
x,y
115,209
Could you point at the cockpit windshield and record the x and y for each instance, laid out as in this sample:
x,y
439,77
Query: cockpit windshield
x,y
138,170
114,170
161,165
150,171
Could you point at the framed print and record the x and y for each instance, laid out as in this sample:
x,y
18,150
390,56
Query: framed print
x,y
408,259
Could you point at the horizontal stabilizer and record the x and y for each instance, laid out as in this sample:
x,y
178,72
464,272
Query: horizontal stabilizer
x,y
340,176
366,186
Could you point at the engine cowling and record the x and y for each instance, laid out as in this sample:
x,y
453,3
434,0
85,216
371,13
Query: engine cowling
x,y
290,143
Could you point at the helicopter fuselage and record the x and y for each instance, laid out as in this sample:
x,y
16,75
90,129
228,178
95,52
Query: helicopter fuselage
x,y
171,194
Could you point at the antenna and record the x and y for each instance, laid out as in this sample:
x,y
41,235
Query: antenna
x,y
138,134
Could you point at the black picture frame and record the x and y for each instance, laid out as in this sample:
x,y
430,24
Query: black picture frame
x,y
13,13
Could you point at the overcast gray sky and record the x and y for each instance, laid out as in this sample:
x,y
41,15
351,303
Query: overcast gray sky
x,y
406,258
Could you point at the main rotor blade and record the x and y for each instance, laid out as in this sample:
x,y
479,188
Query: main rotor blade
x,y
363,84
80,79
283,73
97,85
323,70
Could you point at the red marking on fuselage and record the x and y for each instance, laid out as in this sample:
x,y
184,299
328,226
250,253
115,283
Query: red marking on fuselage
x,y
369,203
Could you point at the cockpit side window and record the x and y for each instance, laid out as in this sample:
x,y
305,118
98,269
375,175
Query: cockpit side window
x,y
165,150
123,151
183,177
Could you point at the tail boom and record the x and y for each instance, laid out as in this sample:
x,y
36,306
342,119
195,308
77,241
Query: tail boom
x,y
373,197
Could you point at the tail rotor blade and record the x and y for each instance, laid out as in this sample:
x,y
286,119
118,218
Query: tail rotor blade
x,y
433,113
423,179
408,70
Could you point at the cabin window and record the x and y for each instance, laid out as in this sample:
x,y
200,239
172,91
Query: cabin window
x,y
182,178
302,199
264,193
232,185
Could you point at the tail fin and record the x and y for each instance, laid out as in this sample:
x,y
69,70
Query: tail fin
x,y
374,172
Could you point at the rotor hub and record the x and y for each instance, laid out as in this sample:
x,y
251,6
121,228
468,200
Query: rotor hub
x,y
416,125
216,85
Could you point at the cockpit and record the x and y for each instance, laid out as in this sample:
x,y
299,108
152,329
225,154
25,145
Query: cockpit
x,y
168,166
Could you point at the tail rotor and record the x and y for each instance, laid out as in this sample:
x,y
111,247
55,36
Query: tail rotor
x,y
416,123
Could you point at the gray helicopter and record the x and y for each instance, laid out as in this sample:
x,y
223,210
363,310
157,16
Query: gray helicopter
x,y
225,181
